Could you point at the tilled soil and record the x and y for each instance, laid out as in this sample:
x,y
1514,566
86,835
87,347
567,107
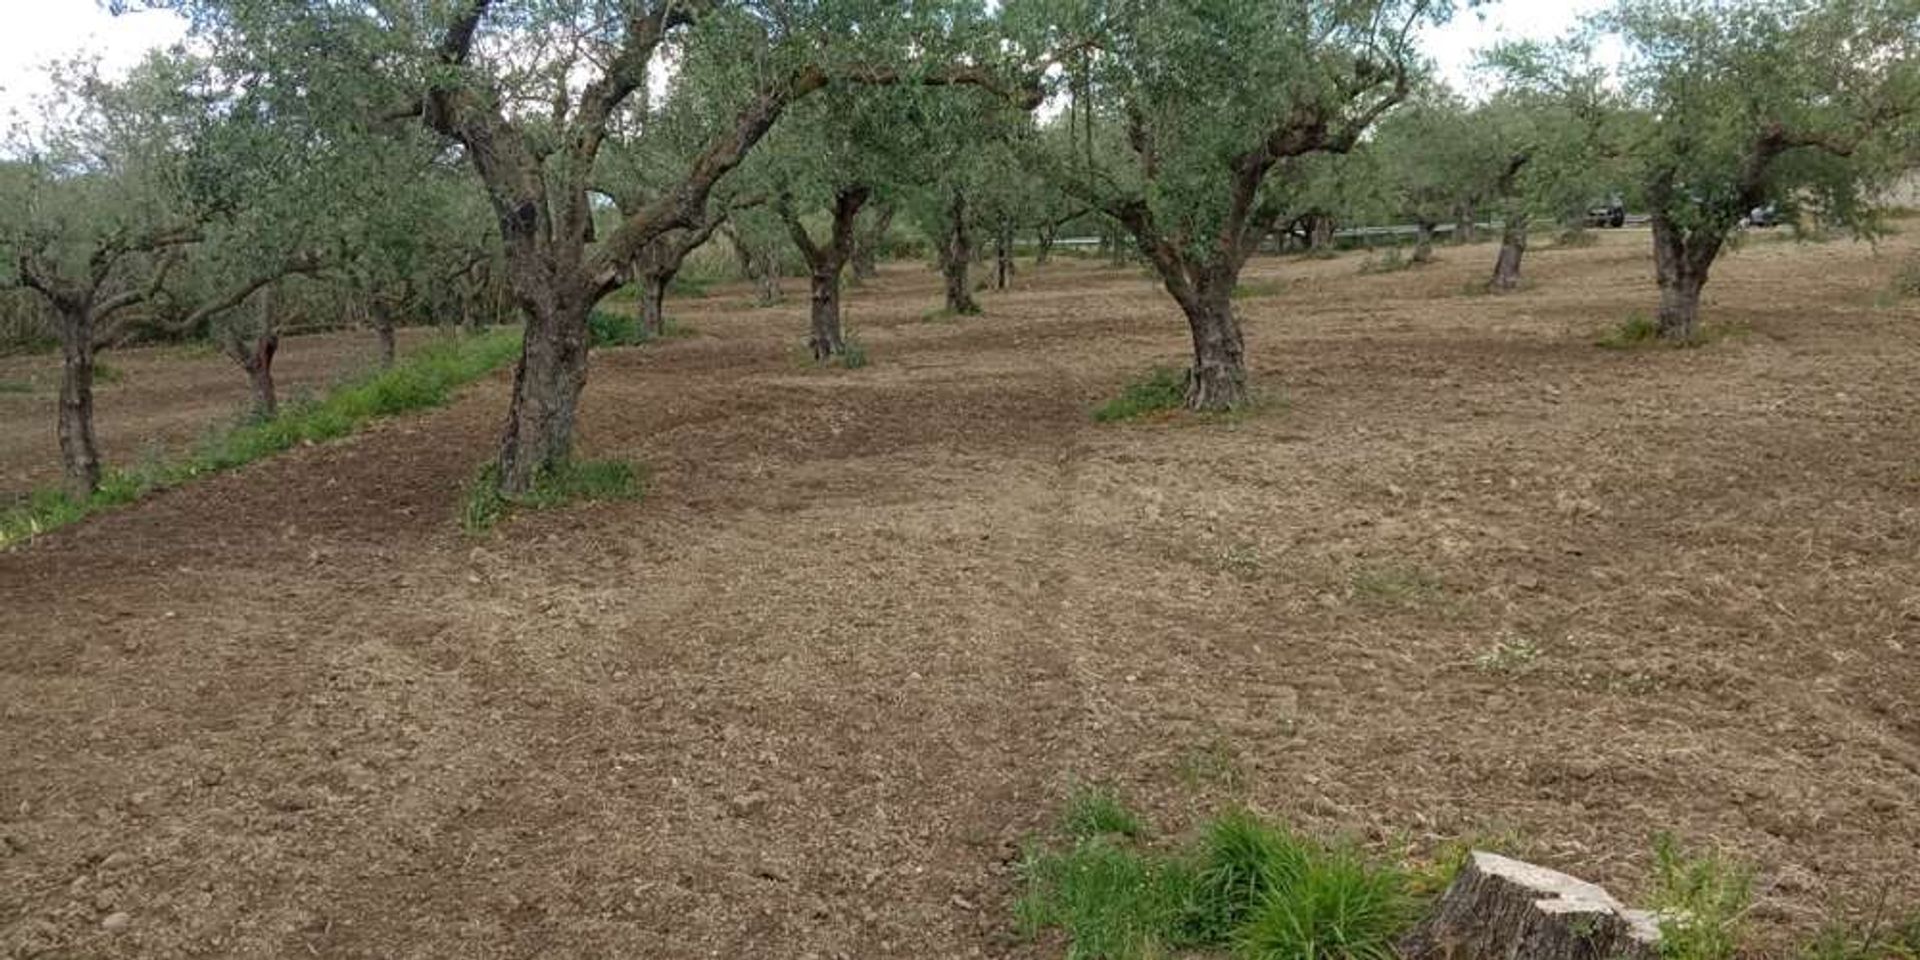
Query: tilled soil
x,y
1463,574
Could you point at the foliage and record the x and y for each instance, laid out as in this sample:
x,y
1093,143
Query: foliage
x,y
581,481
1636,330
1165,388
426,378
1702,901
1093,811
1245,884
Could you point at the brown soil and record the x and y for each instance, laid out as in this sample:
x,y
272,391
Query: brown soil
x,y
161,401
1466,574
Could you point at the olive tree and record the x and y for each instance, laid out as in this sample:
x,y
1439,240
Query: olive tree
x,y
1210,99
1744,104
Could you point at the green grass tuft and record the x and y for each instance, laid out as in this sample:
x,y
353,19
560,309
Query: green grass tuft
x,y
1637,330
1702,901
852,355
104,374
482,506
425,378
1165,388
1093,812
1259,288
1339,906
16,386
1245,884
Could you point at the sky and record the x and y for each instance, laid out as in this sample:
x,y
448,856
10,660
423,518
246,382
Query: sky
x,y
40,31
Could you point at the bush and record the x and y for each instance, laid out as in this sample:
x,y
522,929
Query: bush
x,y
1165,388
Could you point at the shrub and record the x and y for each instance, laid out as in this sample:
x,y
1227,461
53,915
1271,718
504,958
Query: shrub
x,y
1163,389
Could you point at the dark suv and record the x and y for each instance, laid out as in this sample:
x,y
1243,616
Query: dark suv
x,y
1612,213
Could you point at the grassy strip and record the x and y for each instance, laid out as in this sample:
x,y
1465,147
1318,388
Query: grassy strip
x,y
589,480
427,378
1164,388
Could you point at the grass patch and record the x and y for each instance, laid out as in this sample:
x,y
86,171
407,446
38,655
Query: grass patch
x,y
1093,811
1906,280
425,378
1877,939
1702,900
852,355
1636,330
610,328
1395,585
589,481
1164,388
105,374
16,386
1244,884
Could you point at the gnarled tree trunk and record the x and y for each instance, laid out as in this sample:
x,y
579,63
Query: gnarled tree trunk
x,y
380,314
1043,248
956,257
79,451
1681,261
546,392
825,262
653,303
1319,232
1003,255
1218,378
1423,242
1513,247
259,367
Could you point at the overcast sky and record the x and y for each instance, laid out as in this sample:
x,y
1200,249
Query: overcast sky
x,y
36,32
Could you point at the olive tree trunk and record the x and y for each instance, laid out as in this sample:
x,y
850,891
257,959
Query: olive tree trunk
x,y
1500,907
653,303
825,263
546,392
1003,255
956,258
1423,242
381,316
1043,247
1218,378
1513,247
259,367
867,243
79,451
1681,260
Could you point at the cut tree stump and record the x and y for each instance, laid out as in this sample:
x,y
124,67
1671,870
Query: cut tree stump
x,y
1499,908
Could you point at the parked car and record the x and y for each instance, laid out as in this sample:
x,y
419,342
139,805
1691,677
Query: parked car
x,y
1612,213
1762,216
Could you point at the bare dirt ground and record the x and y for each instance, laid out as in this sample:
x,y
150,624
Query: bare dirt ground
x,y
1466,574
159,400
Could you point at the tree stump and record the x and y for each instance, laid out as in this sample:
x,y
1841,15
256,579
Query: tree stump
x,y
1499,908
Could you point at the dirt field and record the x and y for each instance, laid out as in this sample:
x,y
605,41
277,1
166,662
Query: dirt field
x,y
1465,574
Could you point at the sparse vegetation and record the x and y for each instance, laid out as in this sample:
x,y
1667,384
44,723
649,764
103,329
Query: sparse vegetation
x,y
483,506
1395,585
1388,260
1507,655
1094,811
16,386
1636,330
1165,388
425,379
1245,884
1702,900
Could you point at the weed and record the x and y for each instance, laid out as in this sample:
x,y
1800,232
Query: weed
x,y
1395,585
1876,940
1093,812
1338,907
1216,763
852,355
1243,560
105,374
685,286
426,378
1245,883
482,505
1702,902
1638,329
1507,655
1114,903
1165,388
16,386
